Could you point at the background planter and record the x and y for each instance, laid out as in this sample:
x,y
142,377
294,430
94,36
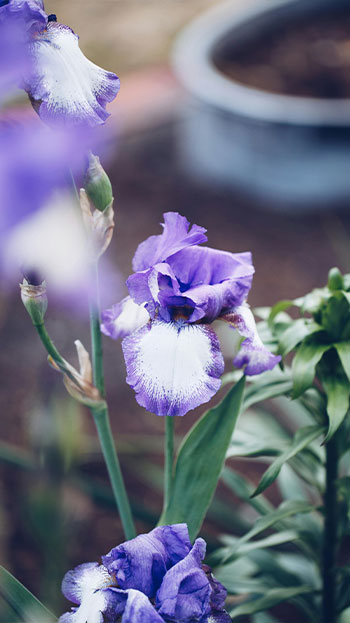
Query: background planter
x,y
277,146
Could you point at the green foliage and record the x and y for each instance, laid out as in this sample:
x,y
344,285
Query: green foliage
x,y
23,603
199,462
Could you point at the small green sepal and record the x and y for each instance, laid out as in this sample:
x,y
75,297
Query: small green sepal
x,y
34,300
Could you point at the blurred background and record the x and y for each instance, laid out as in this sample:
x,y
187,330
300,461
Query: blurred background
x,y
56,509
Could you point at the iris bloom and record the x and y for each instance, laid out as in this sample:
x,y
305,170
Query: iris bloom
x,y
63,85
155,578
172,355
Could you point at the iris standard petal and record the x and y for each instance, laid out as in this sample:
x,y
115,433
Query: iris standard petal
x,y
176,235
64,86
142,562
253,356
30,13
139,609
145,286
184,595
123,318
173,366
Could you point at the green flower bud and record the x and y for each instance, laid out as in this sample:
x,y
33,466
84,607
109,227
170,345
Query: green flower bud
x,y
335,279
34,300
97,185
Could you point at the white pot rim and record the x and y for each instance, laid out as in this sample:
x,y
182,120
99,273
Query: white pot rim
x,y
193,64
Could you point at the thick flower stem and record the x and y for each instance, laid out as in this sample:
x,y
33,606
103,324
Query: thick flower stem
x,y
101,416
168,459
330,540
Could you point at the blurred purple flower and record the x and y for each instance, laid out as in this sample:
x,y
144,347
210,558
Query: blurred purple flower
x,y
63,85
173,357
155,578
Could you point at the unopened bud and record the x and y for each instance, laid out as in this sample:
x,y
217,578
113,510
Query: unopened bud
x,y
97,185
335,279
34,300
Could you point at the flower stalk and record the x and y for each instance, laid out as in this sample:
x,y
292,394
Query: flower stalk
x,y
168,459
330,539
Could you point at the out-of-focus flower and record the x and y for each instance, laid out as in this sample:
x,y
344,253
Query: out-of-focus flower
x,y
172,355
155,578
63,85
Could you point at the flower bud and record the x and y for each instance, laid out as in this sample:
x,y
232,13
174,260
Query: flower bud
x,y
34,300
97,185
335,279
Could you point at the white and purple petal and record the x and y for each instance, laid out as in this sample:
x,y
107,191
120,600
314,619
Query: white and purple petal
x,y
145,286
176,235
88,586
142,562
173,366
184,595
64,86
123,318
253,356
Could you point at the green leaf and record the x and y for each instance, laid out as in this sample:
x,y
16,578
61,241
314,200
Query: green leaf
x,y
286,509
335,317
241,487
286,536
272,598
296,333
303,437
22,601
281,306
200,460
337,387
343,350
304,365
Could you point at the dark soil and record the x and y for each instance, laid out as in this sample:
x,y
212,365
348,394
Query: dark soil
x,y
305,57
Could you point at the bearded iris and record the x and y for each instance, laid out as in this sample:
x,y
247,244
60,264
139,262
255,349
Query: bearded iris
x,y
155,578
172,355
63,85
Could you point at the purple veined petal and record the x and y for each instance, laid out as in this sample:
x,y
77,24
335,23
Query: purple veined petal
x,y
123,318
88,586
145,286
142,562
29,13
85,578
184,595
173,367
253,356
176,235
139,609
219,592
64,86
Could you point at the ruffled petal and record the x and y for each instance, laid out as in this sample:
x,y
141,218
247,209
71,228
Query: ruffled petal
x,y
142,562
139,609
253,356
64,86
29,12
176,236
88,586
173,367
184,595
123,318
145,287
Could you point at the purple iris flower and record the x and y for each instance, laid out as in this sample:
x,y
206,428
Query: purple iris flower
x,y
155,578
63,85
172,355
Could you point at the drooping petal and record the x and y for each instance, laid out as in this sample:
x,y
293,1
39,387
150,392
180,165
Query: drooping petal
x,y
253,356
173,367
139,609
123,318
88,586
64,86
184,595
142,562
176,235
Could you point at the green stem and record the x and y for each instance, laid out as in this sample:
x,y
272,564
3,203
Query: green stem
x,y
48,343
330,540
101,416
96,337
168,459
